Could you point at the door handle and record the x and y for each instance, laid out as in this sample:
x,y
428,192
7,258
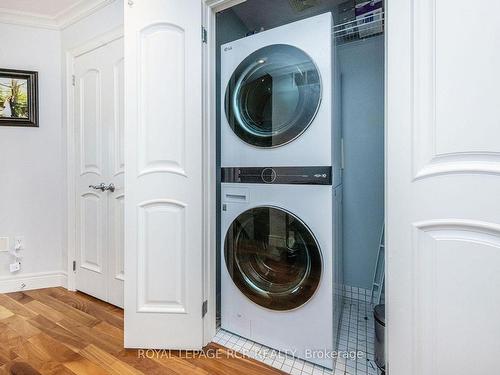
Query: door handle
x,y
103,187
110,187
100,187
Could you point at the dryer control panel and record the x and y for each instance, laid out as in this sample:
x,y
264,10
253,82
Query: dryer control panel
x,y
278,175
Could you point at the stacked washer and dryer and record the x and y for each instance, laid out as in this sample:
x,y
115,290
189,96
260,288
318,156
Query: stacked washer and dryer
x,y
281,267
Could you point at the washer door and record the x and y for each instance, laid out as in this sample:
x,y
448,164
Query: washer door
x,y
273,258
273,96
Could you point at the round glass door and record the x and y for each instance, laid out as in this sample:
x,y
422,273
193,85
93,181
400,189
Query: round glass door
x,y
273,258
273,96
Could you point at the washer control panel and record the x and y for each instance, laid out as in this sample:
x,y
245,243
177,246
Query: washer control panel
x,y
278,175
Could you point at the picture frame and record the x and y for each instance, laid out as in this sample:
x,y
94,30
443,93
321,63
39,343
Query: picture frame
x,y
18,98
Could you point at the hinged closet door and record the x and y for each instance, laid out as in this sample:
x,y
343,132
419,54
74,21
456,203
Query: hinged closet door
x,y
163,175
443,187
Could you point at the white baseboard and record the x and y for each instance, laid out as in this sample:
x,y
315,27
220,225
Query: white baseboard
x,y
31,281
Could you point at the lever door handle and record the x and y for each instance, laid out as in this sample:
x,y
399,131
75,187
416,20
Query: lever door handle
x,y
100,187
103,187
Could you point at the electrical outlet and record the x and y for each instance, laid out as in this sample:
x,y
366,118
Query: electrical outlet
x,y
4,244
19,243
14,267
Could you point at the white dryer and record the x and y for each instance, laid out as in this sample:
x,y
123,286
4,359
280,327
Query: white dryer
x,y
280,262
276,97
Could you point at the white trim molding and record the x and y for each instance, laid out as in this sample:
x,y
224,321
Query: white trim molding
x,y
60,21
220,5
27,19
30,281
211,8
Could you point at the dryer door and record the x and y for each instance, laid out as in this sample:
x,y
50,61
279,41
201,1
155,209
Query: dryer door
x,y
273,96
273,258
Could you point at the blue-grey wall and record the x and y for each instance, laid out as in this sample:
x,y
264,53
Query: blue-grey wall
x,y
362,72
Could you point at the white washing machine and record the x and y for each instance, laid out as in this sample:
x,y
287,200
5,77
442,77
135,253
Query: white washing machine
x,y
280,262
277,97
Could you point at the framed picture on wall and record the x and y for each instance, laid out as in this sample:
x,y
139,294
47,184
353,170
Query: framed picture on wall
x,y
18,98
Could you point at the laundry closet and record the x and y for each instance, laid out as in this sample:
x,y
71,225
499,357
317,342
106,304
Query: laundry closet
x,y
300,190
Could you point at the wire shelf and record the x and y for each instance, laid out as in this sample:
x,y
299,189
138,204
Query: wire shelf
x,y
361,28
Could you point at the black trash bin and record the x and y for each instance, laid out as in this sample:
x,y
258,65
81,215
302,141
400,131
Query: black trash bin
x,y
379,315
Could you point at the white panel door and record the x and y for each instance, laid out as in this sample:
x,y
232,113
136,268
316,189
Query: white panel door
x,y
163,180
99,129
116,155
443,187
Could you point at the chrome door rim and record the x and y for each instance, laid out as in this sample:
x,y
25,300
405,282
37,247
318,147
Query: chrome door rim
x,y
257,294
232,107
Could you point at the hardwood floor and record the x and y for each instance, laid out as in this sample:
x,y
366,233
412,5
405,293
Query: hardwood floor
x,y
57,332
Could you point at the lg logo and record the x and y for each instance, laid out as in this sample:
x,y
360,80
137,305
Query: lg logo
x,y
228,49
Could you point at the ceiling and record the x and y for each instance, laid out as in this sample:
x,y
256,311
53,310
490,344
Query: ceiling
x,y
52,14
268,14
46,8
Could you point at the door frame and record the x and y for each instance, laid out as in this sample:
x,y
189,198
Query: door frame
x,y
71,169
210,9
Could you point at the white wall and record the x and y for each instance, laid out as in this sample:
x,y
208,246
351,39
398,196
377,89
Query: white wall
x,y
31,168
33,183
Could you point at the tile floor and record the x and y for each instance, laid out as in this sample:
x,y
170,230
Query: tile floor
x,y
356,342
